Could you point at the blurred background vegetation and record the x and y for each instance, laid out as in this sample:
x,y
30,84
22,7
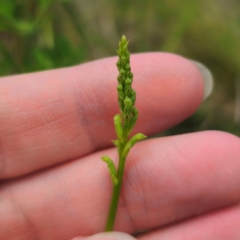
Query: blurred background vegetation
x,y
45,34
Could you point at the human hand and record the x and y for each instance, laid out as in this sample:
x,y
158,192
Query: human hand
x,y
55,125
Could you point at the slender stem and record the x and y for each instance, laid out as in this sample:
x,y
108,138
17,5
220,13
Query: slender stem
x,y
116,193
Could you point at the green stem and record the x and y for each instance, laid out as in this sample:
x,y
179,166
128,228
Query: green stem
x,y
116,194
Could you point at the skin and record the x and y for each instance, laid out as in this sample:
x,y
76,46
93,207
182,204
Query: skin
x,y
55,125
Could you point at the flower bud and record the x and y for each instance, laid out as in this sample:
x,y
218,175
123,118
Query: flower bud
x,y
132,123
135,112
119,78
118,127
128,67
120,95
127,102
122,71
133,96
119,87
123,60
128,106
128,82
118,64
116,143
131,142
112,168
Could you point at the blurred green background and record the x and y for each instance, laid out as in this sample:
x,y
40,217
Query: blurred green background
x,y
45,34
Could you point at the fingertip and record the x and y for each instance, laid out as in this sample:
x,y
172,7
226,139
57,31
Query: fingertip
x,y
107,236
207,78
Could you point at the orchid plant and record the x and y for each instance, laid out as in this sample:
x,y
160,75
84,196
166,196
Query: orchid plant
x,y
124,123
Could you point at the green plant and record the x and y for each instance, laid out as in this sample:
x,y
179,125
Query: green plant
x,y
124,123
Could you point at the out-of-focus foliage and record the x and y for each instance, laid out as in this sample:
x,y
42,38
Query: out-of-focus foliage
x,y
45,34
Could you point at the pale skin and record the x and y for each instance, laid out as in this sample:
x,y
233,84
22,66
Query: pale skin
x,y
55,126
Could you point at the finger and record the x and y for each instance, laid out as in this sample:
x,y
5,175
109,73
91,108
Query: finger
x,y
107,236
166,180
54,116
218,225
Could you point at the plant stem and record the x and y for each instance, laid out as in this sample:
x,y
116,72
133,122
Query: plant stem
x,y
115,196
116,188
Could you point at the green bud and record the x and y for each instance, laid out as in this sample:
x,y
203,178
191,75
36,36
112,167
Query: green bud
x,y
133,99
122,71
124,39
107,159
120,95
112,168
133,93
128,82
119,87
127,106
128,67
131,142
119,52
135,112
128,102
119,78
122,42
140,136
127,111
119,64
116,143
118,127
124,48
132,123
123,59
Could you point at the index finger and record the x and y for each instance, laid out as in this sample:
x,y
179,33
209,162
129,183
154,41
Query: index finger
x,y
54,116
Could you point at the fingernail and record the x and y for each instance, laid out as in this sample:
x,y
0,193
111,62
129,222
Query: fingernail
x,y
108,236
207,77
